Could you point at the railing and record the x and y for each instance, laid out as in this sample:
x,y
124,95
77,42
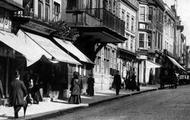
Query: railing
x,y
30,14
100,16
108,19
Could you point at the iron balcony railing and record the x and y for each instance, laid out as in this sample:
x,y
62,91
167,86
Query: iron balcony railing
x,y
103,17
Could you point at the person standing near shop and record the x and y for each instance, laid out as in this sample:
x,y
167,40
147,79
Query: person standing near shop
x,y
117,82
76,89
17,93
90,82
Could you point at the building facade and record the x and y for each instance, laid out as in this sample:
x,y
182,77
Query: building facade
x,y
150,39
8,56
126,60
100,29
169,30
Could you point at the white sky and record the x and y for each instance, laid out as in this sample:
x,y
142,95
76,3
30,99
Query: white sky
x,y
183,10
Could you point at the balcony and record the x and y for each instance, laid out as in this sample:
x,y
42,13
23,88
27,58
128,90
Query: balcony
x,y
29,20
96,17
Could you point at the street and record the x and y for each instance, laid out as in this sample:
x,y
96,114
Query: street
x,y
167,104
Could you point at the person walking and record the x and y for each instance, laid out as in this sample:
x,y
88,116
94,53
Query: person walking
x,y
76,88
17,93
133,81
90,82
127,81
117,82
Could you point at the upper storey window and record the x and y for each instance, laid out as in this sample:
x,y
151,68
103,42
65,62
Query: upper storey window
x,y
142,13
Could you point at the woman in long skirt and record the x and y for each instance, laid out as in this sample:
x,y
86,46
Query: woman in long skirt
x,y
76,87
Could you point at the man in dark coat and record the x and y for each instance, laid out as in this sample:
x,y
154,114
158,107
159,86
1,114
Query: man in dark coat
x,y
117,82
90,82
17,93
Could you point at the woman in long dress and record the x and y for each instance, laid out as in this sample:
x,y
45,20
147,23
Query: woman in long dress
x,y
76,88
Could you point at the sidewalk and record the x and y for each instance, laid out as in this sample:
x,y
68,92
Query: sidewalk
x,y
45,109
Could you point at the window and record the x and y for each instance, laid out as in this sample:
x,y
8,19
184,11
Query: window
x,y
132,43
132,23
150,17
123,14
72,4
56,8
127,21
149,40
56,11
40,9
142,13
47,12
141,40
126,42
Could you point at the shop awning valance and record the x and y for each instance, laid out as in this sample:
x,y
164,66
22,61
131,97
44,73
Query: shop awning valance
x,y
175,63
52,49
150,64
73,50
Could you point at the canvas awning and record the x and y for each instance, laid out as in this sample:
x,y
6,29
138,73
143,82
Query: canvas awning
x,y
29,49
52,49
73,50
175,63
150,64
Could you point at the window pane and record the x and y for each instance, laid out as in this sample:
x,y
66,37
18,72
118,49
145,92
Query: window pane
x,y
141,40
142,13
47,13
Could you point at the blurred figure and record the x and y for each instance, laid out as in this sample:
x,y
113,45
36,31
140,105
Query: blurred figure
x,y
133,81
76,88
90,82
127,80
1,90
117,82
17,93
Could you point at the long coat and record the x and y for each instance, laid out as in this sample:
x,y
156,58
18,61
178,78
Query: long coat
x,y
76,86
117,81
17,92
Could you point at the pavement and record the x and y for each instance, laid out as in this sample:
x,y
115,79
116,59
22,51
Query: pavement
x,y
48,108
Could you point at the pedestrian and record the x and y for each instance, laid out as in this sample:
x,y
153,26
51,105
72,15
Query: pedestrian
x,y
117,82
127,80
133,81
90,82
76,88
18,93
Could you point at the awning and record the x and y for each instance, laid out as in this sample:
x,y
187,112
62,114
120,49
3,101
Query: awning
x,y
150,64
29,49
175,63
52,49
73,50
